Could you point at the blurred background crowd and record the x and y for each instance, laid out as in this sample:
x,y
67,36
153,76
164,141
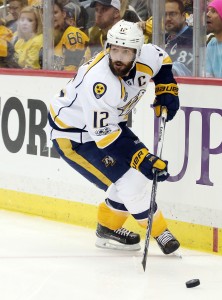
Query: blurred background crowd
x,y
78,31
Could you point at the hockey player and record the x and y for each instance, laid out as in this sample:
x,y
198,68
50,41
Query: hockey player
x,y
88,129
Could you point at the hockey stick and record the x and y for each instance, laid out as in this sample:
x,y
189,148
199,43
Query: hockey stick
x,y
162,124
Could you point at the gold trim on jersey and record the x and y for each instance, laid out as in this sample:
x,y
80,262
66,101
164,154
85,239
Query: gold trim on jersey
x,y
167,60
57,120
144,69
95,61
66,147
109,139
123,90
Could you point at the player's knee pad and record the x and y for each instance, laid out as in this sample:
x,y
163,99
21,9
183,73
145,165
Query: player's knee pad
x,y
132,184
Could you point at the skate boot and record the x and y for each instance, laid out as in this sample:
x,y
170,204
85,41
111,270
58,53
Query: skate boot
x,y
120,239
167,242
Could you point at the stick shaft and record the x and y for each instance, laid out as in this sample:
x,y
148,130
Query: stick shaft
x,y
154,187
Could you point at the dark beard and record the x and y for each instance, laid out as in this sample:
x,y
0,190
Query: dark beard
x,y
122,72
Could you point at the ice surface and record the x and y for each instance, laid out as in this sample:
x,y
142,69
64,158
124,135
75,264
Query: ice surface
x,y
46,260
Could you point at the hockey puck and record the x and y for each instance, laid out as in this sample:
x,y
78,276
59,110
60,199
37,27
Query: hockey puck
x,y
192,283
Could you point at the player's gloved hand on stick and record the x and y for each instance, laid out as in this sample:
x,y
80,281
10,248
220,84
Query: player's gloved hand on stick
x,y
168,99
152,163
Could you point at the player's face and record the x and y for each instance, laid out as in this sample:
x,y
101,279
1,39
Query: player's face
x,y
214,22
121,60
105,16
174,20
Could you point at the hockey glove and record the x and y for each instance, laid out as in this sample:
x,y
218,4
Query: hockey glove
x,y
166,95
151,163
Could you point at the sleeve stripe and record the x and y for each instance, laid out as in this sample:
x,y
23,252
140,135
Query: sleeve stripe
x,y
144,69
167,60
57,120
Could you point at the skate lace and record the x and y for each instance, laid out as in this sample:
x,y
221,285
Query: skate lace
x,y
165,237
122,231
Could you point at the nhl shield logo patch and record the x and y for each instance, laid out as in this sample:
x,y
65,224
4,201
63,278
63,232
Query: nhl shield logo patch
x,y
99,89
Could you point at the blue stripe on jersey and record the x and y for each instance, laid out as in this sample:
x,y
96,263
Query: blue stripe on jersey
x,y
54,126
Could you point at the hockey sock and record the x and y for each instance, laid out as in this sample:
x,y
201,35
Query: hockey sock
x,y
109,218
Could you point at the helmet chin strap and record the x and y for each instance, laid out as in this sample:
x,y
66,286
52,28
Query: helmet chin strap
x,y
134,62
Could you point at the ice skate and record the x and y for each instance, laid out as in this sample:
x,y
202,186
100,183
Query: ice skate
x,y
120,239
167,242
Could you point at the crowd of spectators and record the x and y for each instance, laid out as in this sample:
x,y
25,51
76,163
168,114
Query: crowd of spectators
x,y
81,26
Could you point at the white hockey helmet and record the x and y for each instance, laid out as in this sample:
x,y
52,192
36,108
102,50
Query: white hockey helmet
x,y
126,34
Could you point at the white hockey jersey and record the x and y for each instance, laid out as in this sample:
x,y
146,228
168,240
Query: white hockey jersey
x,y
93,103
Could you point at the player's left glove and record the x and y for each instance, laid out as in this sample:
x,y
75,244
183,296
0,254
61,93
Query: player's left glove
x,y
154,163
166,95
148,163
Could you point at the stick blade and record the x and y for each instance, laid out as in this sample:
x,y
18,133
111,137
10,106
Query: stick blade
x,y
144,259
144,264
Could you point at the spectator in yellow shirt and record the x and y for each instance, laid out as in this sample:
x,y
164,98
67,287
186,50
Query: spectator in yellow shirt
x,y
70,42
6,48
30,39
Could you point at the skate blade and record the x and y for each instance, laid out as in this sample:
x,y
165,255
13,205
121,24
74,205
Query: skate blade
x,y
177,254
113,245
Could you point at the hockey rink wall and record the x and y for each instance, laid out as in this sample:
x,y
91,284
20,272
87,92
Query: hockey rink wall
x,y
34,180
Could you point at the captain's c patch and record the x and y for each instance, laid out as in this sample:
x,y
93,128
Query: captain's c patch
x,y
99,89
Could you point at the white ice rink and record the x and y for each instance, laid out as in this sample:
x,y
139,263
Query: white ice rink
x,y
46,260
